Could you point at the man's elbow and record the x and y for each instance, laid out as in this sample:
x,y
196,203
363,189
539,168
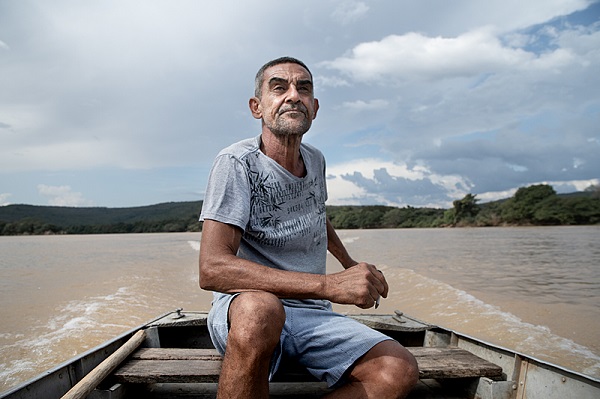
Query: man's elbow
x,y
205,286
206,278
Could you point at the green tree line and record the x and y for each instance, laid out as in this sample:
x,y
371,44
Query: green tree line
x,y
536,205
36,220
35,227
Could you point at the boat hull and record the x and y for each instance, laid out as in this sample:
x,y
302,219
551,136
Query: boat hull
x,y
520,376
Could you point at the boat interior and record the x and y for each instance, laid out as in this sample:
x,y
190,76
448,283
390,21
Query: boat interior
x,y
173,357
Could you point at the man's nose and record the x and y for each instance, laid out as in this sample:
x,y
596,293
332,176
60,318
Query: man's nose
x,y
292,94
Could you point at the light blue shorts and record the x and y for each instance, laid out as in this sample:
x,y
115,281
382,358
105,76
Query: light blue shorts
x,y
325,342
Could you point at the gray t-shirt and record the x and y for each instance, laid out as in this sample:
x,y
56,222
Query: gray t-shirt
x,y
282,216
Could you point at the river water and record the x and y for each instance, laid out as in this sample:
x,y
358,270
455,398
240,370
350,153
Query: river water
x,y
535,290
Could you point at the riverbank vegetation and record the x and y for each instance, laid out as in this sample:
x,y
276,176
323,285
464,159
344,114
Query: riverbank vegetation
x,y
536,205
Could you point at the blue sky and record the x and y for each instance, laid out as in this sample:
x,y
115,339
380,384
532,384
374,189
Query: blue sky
x,y
126,103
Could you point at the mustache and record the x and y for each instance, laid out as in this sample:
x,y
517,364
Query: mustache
x,y
294,107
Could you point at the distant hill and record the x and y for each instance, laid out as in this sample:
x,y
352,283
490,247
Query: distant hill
x,y
562,209
165,217
96,216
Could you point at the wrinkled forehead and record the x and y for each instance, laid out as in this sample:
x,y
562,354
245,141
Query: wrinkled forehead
x,y
288,72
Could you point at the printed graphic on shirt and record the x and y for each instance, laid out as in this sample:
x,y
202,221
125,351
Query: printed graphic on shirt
x,y
285,211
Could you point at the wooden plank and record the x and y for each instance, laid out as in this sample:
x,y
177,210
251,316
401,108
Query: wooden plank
x,y
160,365
453,363
159,371
176,354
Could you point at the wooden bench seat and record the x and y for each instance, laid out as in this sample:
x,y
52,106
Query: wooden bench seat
x,y
174,365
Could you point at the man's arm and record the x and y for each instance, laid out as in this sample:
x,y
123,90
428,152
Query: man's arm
x,y
337,248
222,271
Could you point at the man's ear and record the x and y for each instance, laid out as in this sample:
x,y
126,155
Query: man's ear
x,y
316,108
255,108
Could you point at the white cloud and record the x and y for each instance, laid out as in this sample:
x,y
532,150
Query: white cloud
x,y
22,117
404,58
496,195
4,198
375,181
62,196
572,185
361,105
348,11
322,81
559,187
367,167
344,192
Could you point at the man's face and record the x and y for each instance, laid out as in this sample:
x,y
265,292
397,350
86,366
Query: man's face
x,y
287,105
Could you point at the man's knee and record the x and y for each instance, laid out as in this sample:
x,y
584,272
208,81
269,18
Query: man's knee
x,y
256,318
400,371
389,367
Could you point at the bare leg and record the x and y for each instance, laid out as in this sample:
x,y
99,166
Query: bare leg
x,y
256,320
388,370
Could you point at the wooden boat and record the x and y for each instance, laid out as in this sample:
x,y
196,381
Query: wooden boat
x,y
173,357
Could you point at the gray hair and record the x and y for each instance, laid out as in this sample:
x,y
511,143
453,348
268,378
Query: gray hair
x,y
260,75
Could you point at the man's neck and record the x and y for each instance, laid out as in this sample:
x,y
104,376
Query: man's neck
x,y
285,150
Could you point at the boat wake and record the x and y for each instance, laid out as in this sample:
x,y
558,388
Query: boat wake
x,y
444,305
75,327
195,245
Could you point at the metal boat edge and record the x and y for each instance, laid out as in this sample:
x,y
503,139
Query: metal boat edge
x,y
526,376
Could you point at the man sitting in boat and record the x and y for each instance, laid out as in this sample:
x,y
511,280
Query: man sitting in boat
x,y
263,251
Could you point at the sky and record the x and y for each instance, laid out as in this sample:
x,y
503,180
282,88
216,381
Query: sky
x,y
119,103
